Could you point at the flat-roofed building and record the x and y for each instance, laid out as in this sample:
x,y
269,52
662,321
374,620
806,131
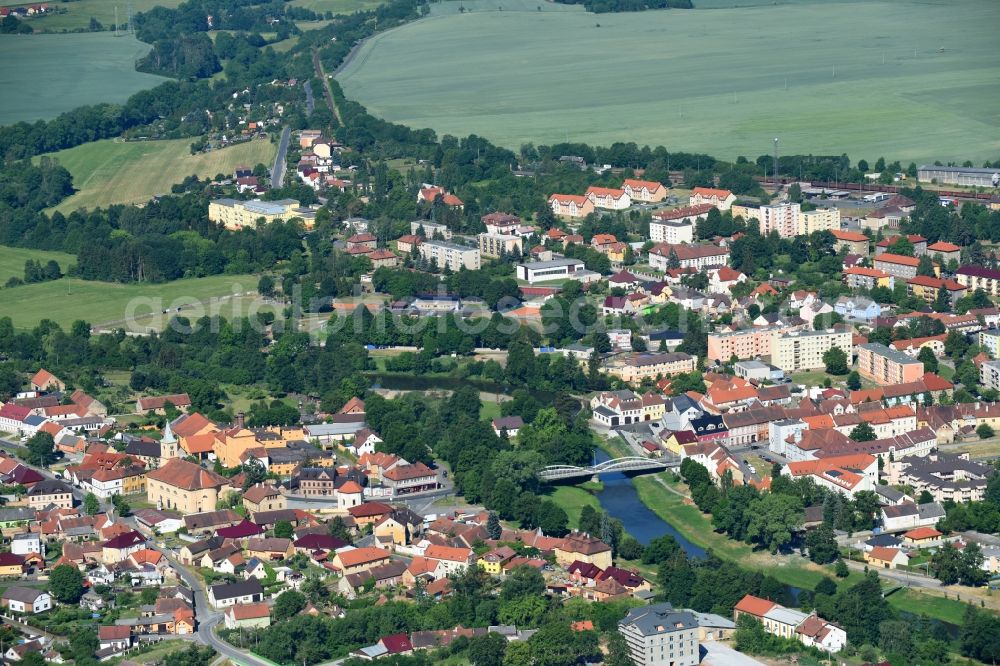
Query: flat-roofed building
x,y
887,366
803,350
498,245
967,176
554,269
747,344
234,214
820,219
430,230
451,256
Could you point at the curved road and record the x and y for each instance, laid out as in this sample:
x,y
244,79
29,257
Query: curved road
x,y
208,619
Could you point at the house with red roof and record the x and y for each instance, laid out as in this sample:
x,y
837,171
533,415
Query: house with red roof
x,y
570,205
721,199
43,381
882,557
608,198
945,252
646,191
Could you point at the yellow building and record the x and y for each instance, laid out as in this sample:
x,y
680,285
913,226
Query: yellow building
x,y
185,487
821,219
677,440
493,562
263,498
579,546
616,252
654,406
234,214
390,528
231,444
649,365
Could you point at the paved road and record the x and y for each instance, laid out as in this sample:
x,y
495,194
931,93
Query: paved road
x,y
208,619
278,172
906,578
310,102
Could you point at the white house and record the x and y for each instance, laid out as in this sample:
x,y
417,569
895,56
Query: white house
x,y
26,600
229,594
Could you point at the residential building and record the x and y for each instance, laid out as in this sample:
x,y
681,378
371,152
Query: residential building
x,y
989,340
857,308
746,344
945,477
580,546
263,498
231,594
721,199
848,474
944,252
887,366
819,219
897,265
543,271
803,350
27,600
428,230
697,257
158,404
44,381
354,560
48,493
989,374
256,616
907,515
408,479
927,288
979,277
449,255
234,214
408,243
570,205
184,486
852,241
636,366
859,277
498,245
658,635
881,557
781,218
673,227
608,198
645,191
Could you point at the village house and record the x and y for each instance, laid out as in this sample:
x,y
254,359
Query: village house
x,y
263,498
230,594
27,600
250,616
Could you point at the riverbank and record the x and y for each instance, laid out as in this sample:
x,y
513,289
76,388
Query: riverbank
x,y
669,500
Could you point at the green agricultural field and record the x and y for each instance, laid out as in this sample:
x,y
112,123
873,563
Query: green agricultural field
x,y
76,14
12,261
56,73
134,307
823,77
112,171
336,6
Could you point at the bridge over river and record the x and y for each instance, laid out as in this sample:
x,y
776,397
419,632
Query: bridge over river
x,y
630,464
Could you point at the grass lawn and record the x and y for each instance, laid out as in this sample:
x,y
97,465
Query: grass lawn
x,y
930,604
132,306
77,14
110,171
719,82
815,377
12,260
56,73
489,410
572,501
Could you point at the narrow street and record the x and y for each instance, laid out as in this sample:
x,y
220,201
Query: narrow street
x,y
278,171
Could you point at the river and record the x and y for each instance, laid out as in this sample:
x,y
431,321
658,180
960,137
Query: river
x,y
621,500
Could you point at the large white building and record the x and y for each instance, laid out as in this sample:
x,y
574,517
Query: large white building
x,y
451,256
803,350
543,271
659,635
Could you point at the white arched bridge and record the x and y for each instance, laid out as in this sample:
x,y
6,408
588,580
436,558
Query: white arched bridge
x,y
627,464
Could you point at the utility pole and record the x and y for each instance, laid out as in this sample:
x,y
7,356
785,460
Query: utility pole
x,y
116,20
775,161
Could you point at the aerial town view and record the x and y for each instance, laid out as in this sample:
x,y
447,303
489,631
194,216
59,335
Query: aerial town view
x,y
500,333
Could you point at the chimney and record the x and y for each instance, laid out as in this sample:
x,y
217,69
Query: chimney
x,y
240,419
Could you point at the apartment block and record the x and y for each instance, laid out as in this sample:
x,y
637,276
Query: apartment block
x,y
497,245
979,277
430,230
887,366
803,350
989,374
990,341
748,344
821,219
451,256
897,265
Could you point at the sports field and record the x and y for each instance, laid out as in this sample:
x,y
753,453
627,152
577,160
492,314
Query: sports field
x,y
12,261
134,307
914,80
111,171
76,15
56,73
